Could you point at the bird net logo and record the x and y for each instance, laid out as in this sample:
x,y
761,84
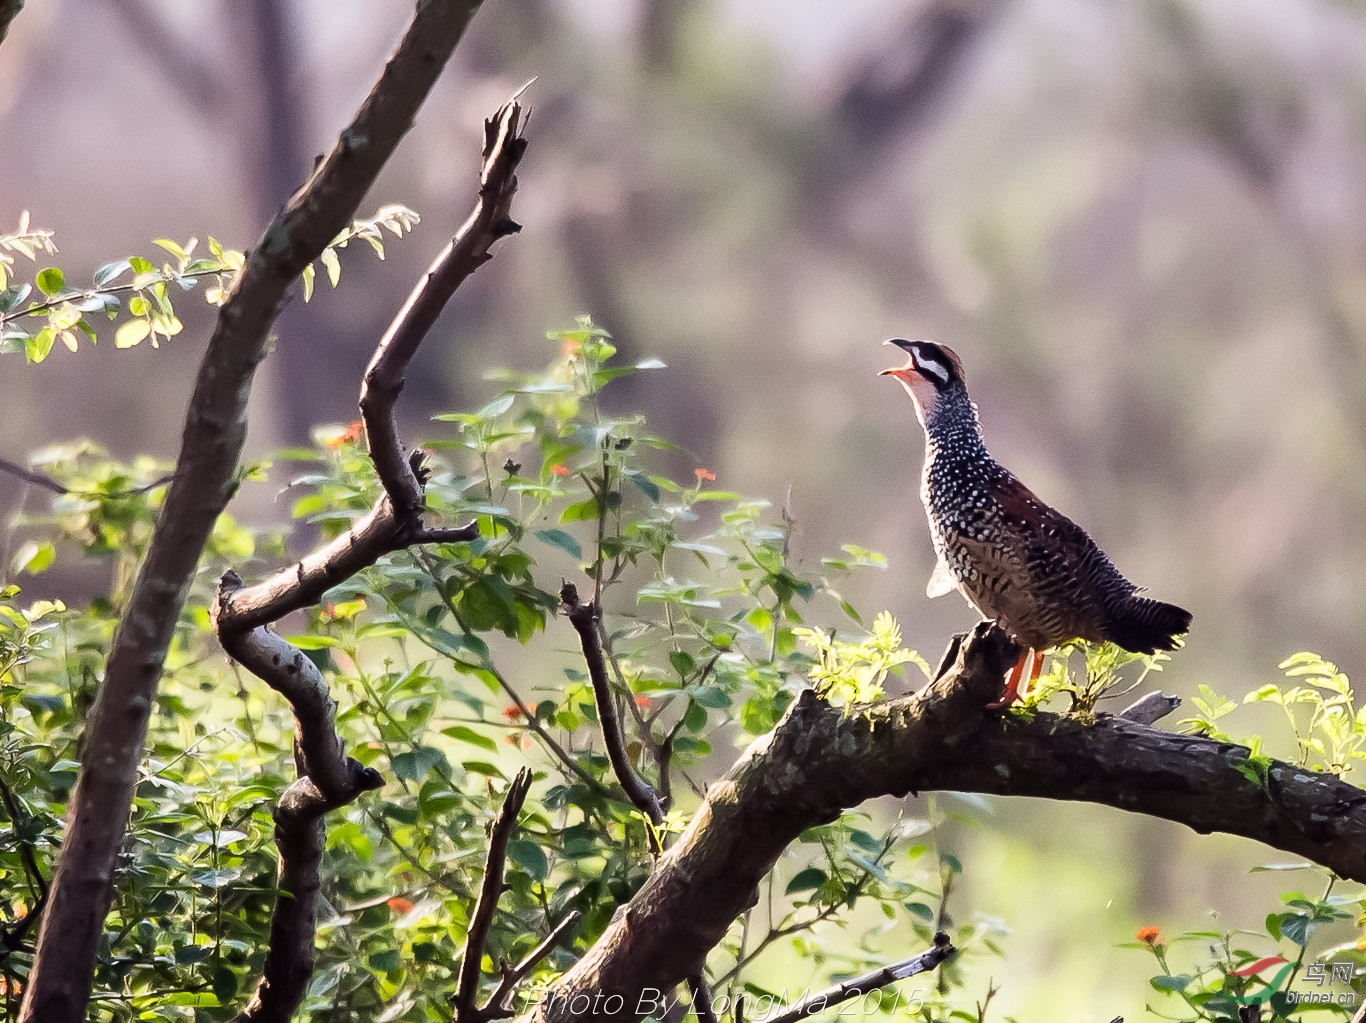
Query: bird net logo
x,y
1276,973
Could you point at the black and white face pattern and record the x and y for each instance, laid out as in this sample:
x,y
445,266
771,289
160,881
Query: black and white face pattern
x,y
937,364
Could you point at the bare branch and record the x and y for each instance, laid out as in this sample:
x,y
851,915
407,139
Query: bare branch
x,y
303,584
215,427
38,479
503,149
496,1007
584,619
42,479
849,989
481,919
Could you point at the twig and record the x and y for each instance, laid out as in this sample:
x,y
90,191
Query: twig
x,y
985,1003
584,619
489,892
503,149
832,996
17,818
47,482
496,1007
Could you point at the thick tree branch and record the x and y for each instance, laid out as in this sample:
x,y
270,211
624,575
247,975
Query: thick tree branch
x,y
215,427
584,619
820,760
328,778
938,953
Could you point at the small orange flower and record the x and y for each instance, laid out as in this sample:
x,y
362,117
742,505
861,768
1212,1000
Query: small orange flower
x,y
643,701
1150,935
704,474
399,904
560,470
512,712
350,435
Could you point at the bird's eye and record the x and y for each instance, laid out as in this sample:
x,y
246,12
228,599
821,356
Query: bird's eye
x,y
936,371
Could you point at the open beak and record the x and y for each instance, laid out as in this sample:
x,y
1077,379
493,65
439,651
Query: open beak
x,y
904,373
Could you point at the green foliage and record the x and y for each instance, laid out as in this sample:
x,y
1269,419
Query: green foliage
x,y
135,291
1278,977
849,673
1101,676
1329,729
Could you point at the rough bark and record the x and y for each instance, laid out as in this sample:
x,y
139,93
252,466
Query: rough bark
x,y
821,760
215,427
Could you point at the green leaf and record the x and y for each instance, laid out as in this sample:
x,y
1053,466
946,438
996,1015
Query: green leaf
x,y
417,762
111,271
388,961
132,333
32,557
463,733
1179,982
37,347
225,983
559,538
313,642
807,880
530,857
332,265
51,281
581,511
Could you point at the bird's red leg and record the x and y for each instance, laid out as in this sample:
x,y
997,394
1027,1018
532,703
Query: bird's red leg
x,y
1011,694
1035,670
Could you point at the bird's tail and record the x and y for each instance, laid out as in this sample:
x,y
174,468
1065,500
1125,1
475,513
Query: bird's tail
x,y
1145,626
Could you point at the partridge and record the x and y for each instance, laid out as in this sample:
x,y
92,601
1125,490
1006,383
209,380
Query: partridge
x,y
1018,561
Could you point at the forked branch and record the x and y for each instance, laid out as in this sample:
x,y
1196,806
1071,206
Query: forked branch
x,y
327,777
584,618
481,920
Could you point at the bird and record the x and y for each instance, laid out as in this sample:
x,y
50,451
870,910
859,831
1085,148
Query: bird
x,y
1025,565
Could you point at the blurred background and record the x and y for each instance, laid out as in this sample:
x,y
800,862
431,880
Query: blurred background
x,y
1141,225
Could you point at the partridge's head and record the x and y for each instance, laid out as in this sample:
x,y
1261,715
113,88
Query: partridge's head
x,y
930,371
